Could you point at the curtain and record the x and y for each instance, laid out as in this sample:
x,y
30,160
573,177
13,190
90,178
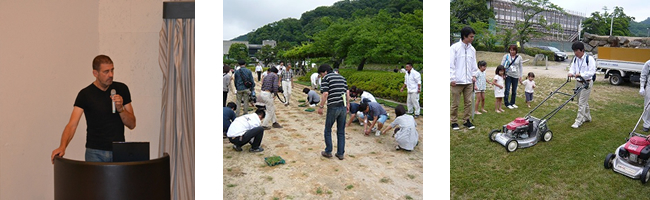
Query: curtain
x,y
176,61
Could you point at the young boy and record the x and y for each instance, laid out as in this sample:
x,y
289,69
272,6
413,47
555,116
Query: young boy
x,y
530,86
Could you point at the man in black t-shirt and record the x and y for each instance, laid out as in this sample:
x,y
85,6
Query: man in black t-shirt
x,y
104,125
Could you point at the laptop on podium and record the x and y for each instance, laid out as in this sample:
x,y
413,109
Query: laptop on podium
x,y
130,151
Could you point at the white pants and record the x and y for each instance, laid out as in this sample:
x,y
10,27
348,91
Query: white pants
x,y
267,97
646,115
413,103
286,86
583,105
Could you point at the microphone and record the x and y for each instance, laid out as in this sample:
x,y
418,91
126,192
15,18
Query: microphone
x,y
113,94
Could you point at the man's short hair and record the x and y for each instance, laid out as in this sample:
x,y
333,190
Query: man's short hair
x,y
306,90
324,68
399,110
409,64
232,105
359,91
466,31
226,69
363,106
261,112
101,59
241,62
578,46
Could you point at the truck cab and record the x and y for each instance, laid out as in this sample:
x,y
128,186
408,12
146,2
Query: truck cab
x,y
621,64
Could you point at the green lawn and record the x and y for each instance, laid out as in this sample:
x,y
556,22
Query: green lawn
x,y
570,166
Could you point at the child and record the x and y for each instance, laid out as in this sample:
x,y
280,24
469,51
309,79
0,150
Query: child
x,y
530,86
479,87
498,82
406,135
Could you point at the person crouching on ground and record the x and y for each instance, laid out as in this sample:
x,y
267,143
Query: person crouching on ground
x,y
378,114
312,97
247,129
405,135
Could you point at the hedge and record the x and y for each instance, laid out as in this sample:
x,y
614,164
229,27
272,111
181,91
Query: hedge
x,y
532,51
381,84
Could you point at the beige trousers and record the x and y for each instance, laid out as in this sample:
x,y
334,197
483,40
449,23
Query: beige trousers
x,y
456,91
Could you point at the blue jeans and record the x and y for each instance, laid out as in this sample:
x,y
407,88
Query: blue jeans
x,y
338,115
510,82
96,155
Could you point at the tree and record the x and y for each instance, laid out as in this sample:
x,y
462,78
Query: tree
x,y
600,24
533,20
238,51
266,54
464,12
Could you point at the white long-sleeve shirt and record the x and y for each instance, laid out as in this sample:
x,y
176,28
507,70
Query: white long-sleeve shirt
x,y
242,124
644,74
579,66
462,63
412,81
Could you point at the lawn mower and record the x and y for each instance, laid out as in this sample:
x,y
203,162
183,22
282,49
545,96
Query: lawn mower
x,y
526,131
631,158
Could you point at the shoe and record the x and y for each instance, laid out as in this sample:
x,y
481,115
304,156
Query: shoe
x,y
373,129
575,125
237,148
378,133
514,106
325,154
361,123
455,126
483,110
339,156
276,125
469,125
397,148
416,116
266,128
497,111
286,105
510,107
477,113
646,129
312,105
259,149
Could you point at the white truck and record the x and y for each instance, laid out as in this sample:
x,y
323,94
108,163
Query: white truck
x,y
621,64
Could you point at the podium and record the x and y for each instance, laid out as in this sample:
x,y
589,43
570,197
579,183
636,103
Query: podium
x,y
112,180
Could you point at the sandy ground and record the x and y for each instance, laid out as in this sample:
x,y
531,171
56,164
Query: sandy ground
x,y
372,168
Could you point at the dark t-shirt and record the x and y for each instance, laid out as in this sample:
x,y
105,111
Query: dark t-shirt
x,y
228,117
103,126
354,107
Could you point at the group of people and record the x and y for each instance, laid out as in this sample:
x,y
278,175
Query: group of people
x,y
467,77
334,93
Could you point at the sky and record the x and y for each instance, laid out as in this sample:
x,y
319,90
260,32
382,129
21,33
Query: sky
x,y
634,8
242,16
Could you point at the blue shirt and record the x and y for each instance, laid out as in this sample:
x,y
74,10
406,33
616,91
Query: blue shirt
x,y
228,116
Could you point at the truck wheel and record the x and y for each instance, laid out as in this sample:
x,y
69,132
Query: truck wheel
x,y
615,79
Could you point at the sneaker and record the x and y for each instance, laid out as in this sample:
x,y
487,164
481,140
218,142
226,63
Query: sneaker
x,y
339,156
373,129
259,149
237,148
575,125
266,128
455,126
416,116
510,107
646,129
325,154
378,133
361,123
477,113
469,125
276,125
514,106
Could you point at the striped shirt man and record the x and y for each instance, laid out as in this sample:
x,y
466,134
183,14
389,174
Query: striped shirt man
x,y
337,87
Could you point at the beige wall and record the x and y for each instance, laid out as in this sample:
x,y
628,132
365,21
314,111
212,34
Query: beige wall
x,y
46,50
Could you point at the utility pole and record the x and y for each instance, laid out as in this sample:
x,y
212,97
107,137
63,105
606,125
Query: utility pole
x,y
611,26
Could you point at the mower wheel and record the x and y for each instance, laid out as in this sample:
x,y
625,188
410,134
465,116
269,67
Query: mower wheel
x,y
547,136
512,145
645,175
609,160
493,134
